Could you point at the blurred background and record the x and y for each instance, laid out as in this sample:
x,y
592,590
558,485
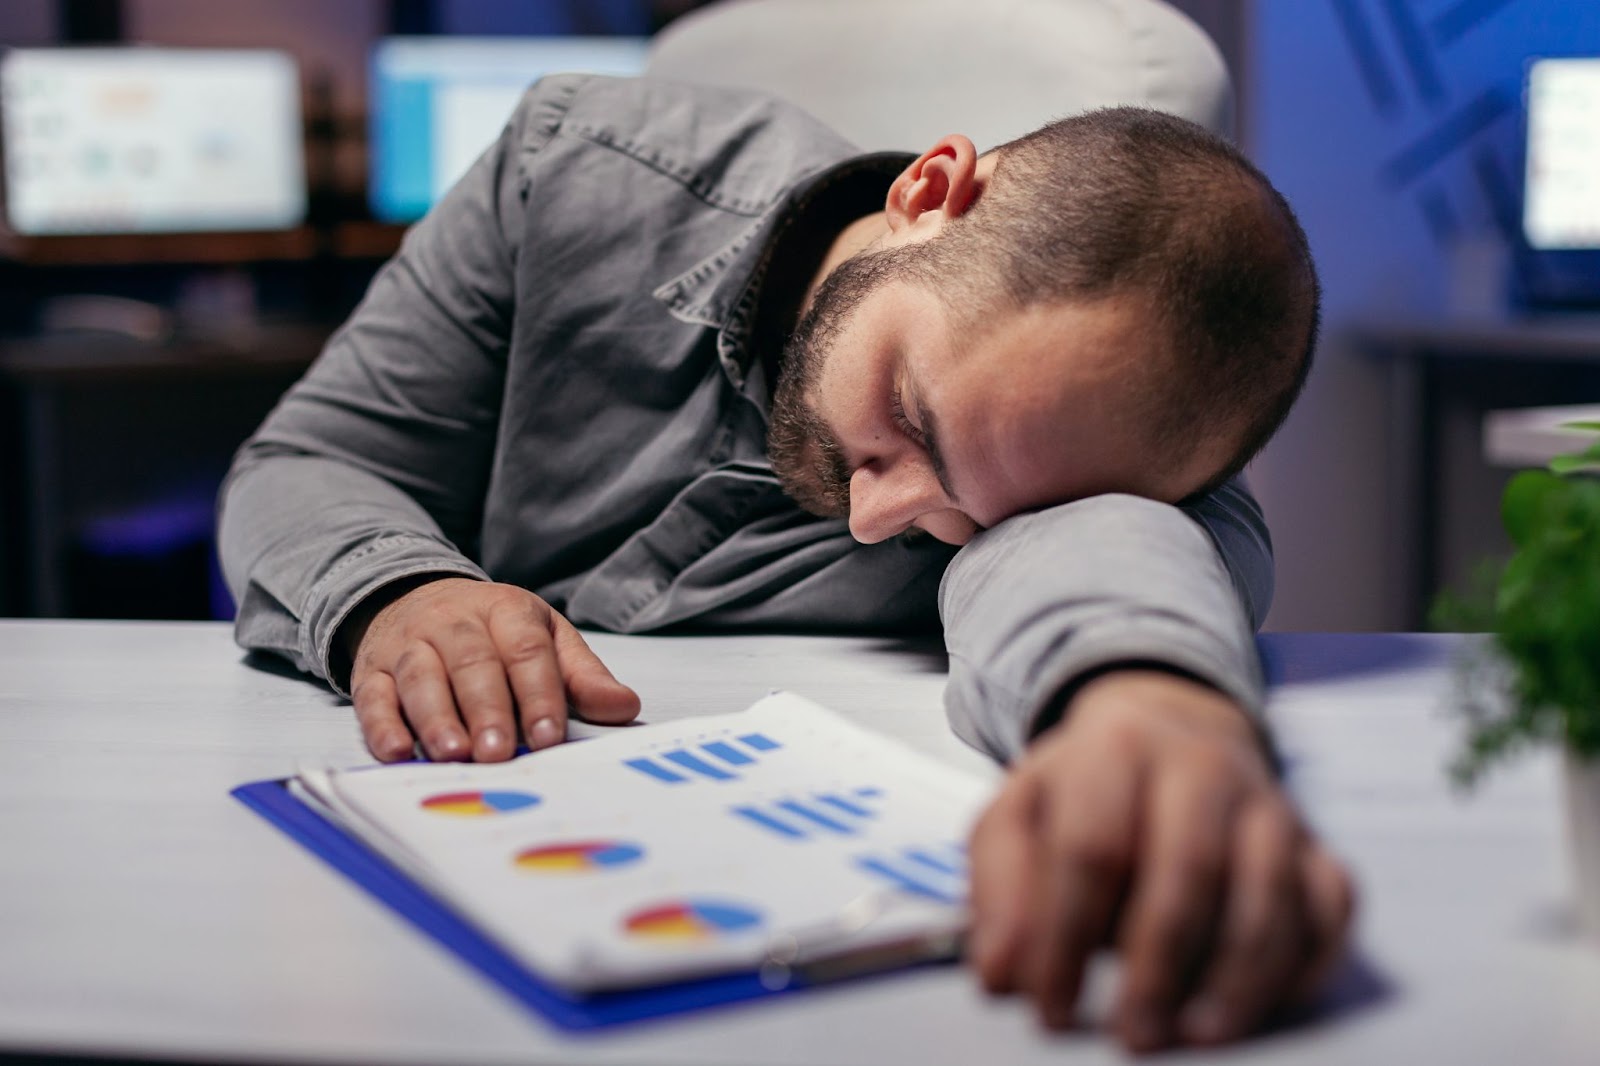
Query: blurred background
x,y
196,194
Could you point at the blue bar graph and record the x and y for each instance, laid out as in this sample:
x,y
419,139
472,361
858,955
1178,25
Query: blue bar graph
x,y
766,821
728,753
713,760
655,770
690,761
822,815
840,803
908,882
931,872
933,862
815,817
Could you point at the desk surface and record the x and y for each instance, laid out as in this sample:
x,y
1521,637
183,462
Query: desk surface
x,y
144,912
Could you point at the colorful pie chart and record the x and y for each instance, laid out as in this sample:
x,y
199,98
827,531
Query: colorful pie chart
x,y
691,920
581,857
475,804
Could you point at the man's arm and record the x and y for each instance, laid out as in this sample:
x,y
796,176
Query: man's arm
x,y
372,468
1105,649
1043,601
342,519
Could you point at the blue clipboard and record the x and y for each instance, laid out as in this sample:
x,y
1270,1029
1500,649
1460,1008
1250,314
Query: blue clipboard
x,y
387,883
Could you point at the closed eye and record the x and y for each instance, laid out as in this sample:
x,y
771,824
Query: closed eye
x,y
897,411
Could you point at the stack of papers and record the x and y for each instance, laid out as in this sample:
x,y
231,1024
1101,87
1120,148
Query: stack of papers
x,y
782,839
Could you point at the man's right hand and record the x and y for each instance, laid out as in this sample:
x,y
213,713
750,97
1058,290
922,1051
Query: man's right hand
x,y
466,666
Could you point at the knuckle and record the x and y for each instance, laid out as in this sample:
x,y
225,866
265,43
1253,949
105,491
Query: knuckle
x,y
368,694
474,658
1195,864
411,666
1101,854
527,645
462,629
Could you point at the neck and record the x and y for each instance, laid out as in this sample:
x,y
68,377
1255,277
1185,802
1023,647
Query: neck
x,y
854,238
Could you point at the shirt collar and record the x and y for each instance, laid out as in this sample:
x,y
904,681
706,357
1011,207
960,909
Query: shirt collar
x,y
723,289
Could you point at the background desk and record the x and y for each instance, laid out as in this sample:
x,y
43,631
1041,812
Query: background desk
x,y
1443,376
134,436
144,912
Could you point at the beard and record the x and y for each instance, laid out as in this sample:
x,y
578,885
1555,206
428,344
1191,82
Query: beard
x,y
804,455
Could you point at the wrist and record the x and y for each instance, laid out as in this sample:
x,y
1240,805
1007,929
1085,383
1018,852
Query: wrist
x,y
352,631
1173,700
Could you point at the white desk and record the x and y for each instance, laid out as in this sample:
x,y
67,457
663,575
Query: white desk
x,y
145,912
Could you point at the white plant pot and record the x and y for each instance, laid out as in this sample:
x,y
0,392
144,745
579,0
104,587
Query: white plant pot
x,y
1583,833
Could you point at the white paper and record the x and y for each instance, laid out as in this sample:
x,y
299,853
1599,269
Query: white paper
x,y
662,852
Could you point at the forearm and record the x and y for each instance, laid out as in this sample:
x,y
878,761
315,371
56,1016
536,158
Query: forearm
x,y
1043,601
305,540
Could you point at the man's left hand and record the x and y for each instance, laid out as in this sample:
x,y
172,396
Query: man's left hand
x,y
1150,819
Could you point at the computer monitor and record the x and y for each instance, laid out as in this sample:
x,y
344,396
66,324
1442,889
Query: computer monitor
x,y
150,140
1561,205
437,102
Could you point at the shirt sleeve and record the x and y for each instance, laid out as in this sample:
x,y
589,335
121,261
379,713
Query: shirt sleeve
x,y
373,467
1044,599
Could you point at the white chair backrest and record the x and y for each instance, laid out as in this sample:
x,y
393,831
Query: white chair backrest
x,y
900,74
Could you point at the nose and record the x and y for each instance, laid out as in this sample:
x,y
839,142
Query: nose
x,y
889,496
886,496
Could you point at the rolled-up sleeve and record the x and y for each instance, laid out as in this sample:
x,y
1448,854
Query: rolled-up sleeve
x,y
1044,599
374,467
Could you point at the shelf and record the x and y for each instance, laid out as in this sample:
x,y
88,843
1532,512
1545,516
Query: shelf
x,y
350,240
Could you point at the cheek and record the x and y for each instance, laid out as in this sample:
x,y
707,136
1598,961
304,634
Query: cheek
x,y
952,527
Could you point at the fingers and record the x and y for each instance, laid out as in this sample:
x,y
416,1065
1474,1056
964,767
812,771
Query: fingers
x,y
428,704
478,683
1263,938
523,635
1088,854
1330,903
1002,860
1171,918
378,711
594,693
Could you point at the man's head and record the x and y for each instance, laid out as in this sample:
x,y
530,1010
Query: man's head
x,y
1119,302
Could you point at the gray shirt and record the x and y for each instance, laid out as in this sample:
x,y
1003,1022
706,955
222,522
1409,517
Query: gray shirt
x,y
553,384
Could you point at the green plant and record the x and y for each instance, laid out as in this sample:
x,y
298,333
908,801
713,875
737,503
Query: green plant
x,y
1538,679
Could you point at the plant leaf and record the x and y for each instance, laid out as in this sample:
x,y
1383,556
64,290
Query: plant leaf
x,y
1576,464
1525,497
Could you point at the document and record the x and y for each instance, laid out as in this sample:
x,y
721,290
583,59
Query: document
x,y
782,839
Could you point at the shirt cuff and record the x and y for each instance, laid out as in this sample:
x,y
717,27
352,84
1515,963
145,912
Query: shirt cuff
x,y
357,576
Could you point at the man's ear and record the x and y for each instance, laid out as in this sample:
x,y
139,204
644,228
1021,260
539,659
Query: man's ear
x,y
942,181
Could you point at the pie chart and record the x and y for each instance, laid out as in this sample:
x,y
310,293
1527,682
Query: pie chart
x,y
580,857
691,920
477,804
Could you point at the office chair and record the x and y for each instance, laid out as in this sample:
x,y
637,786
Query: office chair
x,y
900,74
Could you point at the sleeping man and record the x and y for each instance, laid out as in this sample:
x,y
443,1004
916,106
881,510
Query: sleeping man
x,y
678,356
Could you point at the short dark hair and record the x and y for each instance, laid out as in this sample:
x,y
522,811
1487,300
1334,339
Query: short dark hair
x,y
1133,201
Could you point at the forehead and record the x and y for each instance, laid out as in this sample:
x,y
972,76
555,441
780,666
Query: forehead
x,y
1040,405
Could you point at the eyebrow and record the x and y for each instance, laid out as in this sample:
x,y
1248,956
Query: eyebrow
x,y
930,439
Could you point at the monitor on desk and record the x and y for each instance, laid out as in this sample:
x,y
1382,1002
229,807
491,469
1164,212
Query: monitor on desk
x,y
150,140
437,102
1561,188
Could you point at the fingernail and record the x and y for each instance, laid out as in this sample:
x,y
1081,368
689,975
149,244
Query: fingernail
x,y
544,733
492,740
1205,1021
450,746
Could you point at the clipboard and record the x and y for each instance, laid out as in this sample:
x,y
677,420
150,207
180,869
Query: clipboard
x,y
573,1011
